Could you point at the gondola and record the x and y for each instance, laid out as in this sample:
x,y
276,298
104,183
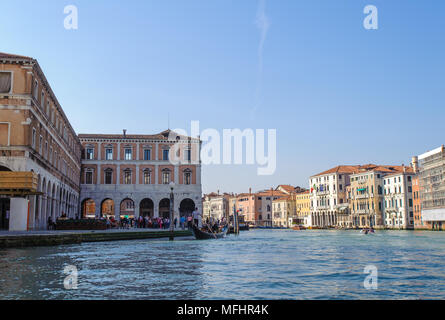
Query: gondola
x,y
202,235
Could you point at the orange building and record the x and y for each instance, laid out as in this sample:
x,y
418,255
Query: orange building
x,y
36,136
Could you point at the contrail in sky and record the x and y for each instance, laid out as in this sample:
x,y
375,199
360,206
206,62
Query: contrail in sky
x,y
262,23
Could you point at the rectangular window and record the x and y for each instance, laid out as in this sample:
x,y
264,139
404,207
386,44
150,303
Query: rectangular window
x,y
42,100
33,139
5,82
89,177
35,89
109,154
108,177
165,177
90,153
188,155
127,177
128,154
165,154
147,177
147,154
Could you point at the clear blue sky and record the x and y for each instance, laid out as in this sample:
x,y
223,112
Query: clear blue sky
x,y
335,92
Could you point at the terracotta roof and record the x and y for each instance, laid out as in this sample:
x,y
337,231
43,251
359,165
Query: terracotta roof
x,y
339,169
283,198
286,187
363,168
266,193
4,55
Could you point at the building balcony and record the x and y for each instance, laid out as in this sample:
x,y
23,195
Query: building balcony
x,y
363,196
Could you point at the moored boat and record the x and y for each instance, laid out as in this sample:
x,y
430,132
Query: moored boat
x,y
299,228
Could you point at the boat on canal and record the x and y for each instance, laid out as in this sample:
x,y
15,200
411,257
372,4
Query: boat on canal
x,y
208,234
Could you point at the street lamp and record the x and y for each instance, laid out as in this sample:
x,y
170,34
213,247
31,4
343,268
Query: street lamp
x,y
172,201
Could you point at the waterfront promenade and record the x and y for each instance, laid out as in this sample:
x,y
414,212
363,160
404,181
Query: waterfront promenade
x,y
60,237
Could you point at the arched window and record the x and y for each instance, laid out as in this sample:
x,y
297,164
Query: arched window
x,y
108,176
187,176
165,176
147,176
127,176
89,176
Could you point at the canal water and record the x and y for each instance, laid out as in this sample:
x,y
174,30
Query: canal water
x,y
258,264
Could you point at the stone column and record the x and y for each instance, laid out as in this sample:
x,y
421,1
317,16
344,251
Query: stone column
x,y
18,214
117,210
155,208
157,151
156,174
32,212
137,174
137,151
118,174
176,170
98,174
136,209
99,151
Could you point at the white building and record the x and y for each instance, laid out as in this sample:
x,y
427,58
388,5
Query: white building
x,y
398,201
328,192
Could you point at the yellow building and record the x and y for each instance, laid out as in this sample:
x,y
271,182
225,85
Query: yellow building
x,y
302,207
366,196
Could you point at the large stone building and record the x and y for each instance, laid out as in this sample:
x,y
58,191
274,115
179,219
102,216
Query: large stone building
x,y
302,207
216,205
432,188
37,138
328,191
350,196
132,175
366,194
283,211
264,212
398,200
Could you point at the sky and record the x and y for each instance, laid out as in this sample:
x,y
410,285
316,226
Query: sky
x,y
335,92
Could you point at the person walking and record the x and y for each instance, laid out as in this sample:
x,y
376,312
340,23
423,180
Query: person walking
x,y
182,222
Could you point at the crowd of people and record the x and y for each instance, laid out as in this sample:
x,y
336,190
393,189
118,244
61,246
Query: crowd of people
x,y
214,225
146,222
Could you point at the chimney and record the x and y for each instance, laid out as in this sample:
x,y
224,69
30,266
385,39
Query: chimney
x,y
125,133
250,190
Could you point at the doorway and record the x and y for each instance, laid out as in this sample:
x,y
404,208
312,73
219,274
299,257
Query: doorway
x,y
4,214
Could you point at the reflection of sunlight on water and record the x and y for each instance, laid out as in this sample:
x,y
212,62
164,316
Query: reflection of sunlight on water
x,y
259,264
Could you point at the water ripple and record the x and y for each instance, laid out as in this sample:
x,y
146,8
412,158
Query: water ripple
x,y
259,264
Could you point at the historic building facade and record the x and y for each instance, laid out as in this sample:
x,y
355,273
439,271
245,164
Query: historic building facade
x,y
36,136
133,175
431,178
216,206
283,211
398,200
302,207
328,191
